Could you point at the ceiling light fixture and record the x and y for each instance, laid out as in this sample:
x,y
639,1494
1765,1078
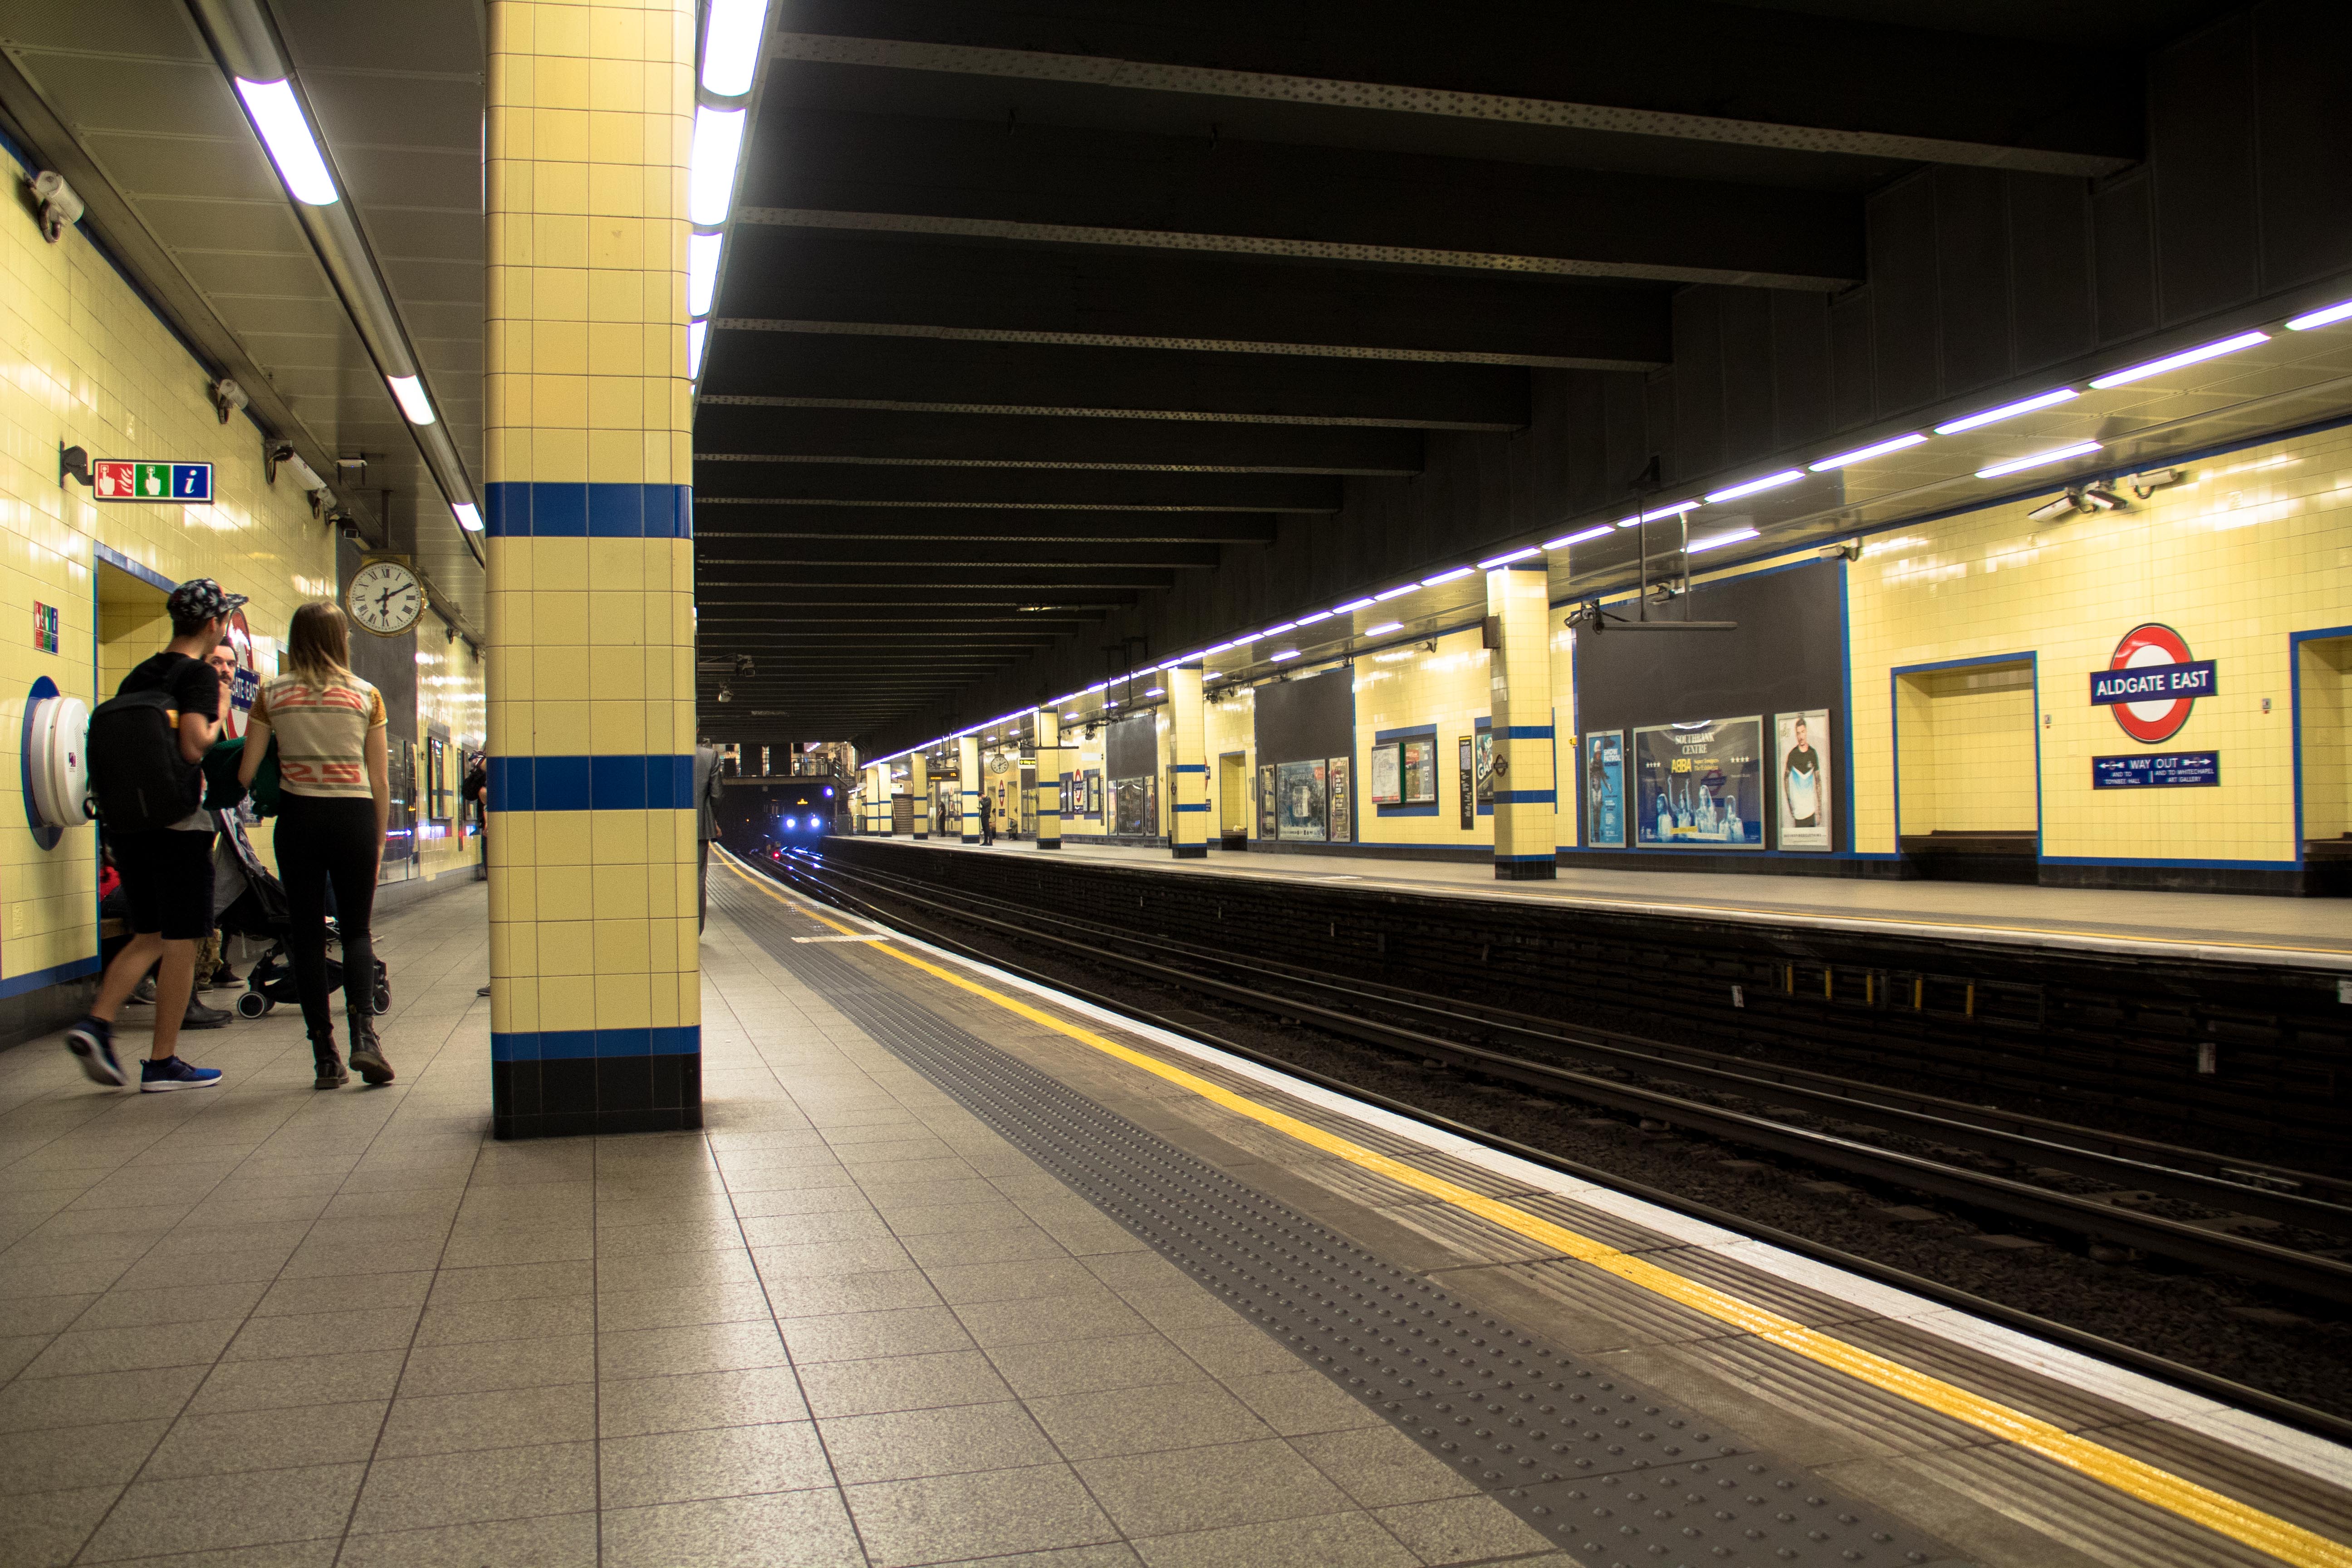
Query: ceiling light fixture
x,y
468,517
731,45
702,271
1285,653
2055,455
1489,565
1218,648
2321,317
1721,540
1769,482
1318,616
1284,626
1394,594
1157,692
1384,628
696,334
2174,361
1352,606
2008,411
1454,575
710,167
414,401
1862,454
1580,537
1676,510
287,136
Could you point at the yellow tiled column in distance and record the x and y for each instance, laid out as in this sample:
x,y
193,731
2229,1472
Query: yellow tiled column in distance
x,y
1518,602
968,783
595,987
1188,808
919,785
1047,726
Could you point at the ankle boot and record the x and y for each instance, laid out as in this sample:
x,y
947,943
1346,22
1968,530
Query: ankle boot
x,y
332,1072
367,1054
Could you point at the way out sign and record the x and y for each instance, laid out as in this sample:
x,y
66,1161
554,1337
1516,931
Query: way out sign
x,y
133,479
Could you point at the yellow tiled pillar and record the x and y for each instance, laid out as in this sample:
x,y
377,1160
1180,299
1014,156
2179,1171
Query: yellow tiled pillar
x,y
1047,725
919,785
1188,762
878,798
1519,599
595,993
968,781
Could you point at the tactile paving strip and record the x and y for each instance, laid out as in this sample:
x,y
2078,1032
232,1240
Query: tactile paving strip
x,y
1618,1477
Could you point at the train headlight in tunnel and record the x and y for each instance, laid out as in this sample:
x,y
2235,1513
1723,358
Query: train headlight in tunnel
x,y
791,822
828,792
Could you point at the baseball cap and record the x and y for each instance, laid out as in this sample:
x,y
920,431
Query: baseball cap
x,y
201,599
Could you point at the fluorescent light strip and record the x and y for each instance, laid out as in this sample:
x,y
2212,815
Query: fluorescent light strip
x,y
1676,510
1862,454
1769,482
1603,531
702,271
1246,638
2008,411
2321,317
1506,559
2055,455
696,334
2174,361
1454,575
1733,537
1286,626
1384,628
731,45
1218,648
1157,692
1285,653
410,393
1394,594
287,136
1318,616
710,167
468,517
1352,606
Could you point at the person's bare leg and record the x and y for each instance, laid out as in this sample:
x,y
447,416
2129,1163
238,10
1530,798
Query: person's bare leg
x,y
176,978
123,976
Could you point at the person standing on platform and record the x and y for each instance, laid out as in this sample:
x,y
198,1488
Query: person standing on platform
x,y
707,791
987,822
334,801
167,871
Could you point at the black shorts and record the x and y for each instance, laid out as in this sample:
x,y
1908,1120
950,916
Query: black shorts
x,y
167,878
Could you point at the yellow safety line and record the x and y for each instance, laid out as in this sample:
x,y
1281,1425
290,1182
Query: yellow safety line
x,y
2241,1522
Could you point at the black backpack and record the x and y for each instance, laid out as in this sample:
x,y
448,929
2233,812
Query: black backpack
x,y
136,773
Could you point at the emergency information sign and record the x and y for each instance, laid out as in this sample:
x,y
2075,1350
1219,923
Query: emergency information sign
x,y
136,478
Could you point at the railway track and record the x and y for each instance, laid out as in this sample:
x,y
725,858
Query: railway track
x,y
1660,1083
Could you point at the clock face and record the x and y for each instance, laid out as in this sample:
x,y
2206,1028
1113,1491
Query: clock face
x,y
385,598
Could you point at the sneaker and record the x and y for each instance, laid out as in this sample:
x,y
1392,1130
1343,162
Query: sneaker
x,y
91,1040
143,992
199,1017
171,1073
222,977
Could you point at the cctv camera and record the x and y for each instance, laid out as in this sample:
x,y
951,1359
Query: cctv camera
x,y
60,208
2051,512
227,398
1843,552
350,530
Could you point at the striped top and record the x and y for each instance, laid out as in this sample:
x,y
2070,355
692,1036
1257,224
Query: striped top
x,y
321,733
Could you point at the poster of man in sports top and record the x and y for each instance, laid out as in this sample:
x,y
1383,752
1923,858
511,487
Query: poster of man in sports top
x,y
1800,751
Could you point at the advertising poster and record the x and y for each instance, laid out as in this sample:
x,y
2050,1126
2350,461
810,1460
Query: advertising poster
x,y
1421,772
1265,803
1469,788
1387,775
1801,753
1342,800
1699,785
1131,807
1298,802
1485,739
1604,790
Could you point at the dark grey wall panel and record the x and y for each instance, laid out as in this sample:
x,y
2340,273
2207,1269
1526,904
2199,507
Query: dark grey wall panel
x,y
1698,381
2126,260
1299,719
1788,653
2049,267
2304,138
1131,748
1750,417
1800,366
2201,146
1853,394
1972,277
1903,278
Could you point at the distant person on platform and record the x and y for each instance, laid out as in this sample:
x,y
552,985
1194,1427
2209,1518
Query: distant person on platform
x,y
1803,782
707,790
167,872
987,821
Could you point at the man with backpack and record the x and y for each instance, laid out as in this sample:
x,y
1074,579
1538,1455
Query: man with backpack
x,y
146,753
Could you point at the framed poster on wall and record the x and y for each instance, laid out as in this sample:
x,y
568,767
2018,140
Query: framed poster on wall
x,y
1131,807
1699,785
1801,753
1469,786
1300,809
1266,812
1094,795
1604,790
1419,769
1485,750
1385,774
1342,800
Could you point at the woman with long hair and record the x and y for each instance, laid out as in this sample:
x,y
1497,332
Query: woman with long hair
x,y
334,800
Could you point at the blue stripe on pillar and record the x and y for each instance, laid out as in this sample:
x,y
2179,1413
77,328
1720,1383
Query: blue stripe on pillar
x,y
1189,767
1525,797
1526,732
592,783
1199,807
549,510
562,1045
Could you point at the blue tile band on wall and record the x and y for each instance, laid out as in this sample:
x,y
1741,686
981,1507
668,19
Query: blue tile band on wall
x,y
588,511
573,1045
1526,732
1525,797
592,783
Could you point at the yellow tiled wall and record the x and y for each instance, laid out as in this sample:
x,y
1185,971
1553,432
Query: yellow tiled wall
x,y
2256,546
89,364
2326,675
1406,686
1966,742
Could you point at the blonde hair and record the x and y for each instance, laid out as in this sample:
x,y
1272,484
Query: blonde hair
x,y
319,646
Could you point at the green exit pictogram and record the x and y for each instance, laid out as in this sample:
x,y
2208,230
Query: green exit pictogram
x,y
152,480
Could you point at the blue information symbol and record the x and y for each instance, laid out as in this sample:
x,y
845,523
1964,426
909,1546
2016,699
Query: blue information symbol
x,y
191,481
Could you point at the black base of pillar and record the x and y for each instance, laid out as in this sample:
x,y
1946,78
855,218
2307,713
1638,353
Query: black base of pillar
x,y
1049,843
1526,870
1235,841
1190,851
566,1097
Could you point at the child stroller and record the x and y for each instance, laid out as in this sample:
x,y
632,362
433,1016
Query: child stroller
x,y
248,900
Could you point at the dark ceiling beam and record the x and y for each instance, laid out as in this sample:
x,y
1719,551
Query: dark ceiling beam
x,y
808,280
1049,185
923,375
724,527
714,565
957,440
969,552
729,592
1830,84
719,481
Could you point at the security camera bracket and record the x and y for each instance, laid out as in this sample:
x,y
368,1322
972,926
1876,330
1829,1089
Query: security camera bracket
x,y
73,462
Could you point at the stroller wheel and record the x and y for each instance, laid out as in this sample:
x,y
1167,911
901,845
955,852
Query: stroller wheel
x,y
252,1004
382,999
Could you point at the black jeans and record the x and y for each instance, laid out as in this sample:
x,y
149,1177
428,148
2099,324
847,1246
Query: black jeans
x,y
322,839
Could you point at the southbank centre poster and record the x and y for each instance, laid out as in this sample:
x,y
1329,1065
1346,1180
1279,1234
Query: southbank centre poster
x,y
1699,785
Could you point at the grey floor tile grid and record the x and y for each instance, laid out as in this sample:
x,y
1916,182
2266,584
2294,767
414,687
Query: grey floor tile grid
x,y
263,1326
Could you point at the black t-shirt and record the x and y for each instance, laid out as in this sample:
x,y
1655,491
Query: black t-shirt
x,y
194,684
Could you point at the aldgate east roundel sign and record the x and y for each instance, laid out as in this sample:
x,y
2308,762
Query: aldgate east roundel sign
x,y
2152,682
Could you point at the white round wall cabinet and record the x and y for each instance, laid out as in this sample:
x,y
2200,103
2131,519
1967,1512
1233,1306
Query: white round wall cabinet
x,y
57,762
385,598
